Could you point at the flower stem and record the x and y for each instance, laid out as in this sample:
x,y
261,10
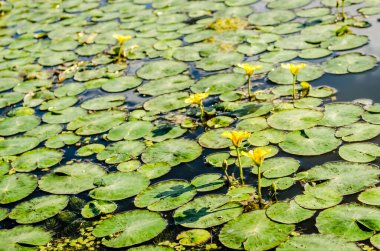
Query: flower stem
x,y
343,15
120,51
202,111
294,86
259,184
240,165
249,87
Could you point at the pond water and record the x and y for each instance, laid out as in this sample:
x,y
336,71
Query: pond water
x,y
103,152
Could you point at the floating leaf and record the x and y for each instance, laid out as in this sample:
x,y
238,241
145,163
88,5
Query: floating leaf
x,y
40,158
207,182
359,152
121,151
370,196
161,69
254,231
278,167
14,125
318,198
16,187
294,119
103,102
359,131
167,102
98,207
353,62
207,211
219,83
38,209
288,212
341,114
17,145
193,237
213,139
166,85
23,238
130,131
271,17
130,228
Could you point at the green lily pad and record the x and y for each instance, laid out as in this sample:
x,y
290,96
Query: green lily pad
x,y
314,12
213,139
166,102
375,240
161,69
16,187
317,242
341,114
288,212
293,4
166,85
165,131
310,142
219,83
369,11
313,53
64,116
318,198
252,48
347,221
373,118
254,231
121,151
216,159
154,170
267,136
359,131
172,151
121,84
207,211
343,177
251,109
151,248
98,207
97,122
69,89
40,158
219,61
130,131
271,17
252,124
359,152
38,209
10,98
14,125
71,179
207,182
133,227
294,119
278,167
23,238
17,145
90,149
278,56
165,195
58,104
103,102
352,62
346,42
193,237
284,76
3,213
219,121
62,139
241,193
112,186
370,196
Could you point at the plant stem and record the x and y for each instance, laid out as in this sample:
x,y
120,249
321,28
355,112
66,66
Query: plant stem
x,y
294,86
225,165
343,15
120,50
249,86
259,184
202,111
240,166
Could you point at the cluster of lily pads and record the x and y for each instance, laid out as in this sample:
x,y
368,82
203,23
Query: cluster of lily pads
x,y
101,101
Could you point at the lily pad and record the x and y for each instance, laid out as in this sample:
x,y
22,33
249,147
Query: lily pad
x,y
370,196
254,231
346,42
219,83
130,131
90,149
38,209
14,125
17,145
318,198
161,69
317,242
359,152
62,139
343,177
98,207
172,151
341,114
278,167
359,131
64,116
213,139
23,238
288,212
165,195
40,158
113,186
267,136
16,187
271,17
154,170
193,237
207,211
310,142
71,179
347,221
121,84
283,76
133,227
207,182
121,151
294,119
353,62
166,102
103,102
166,85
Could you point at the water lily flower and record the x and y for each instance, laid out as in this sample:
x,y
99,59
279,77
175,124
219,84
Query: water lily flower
x,y
121,39
196,98
294,69
236,137
258,155
306,87
249,69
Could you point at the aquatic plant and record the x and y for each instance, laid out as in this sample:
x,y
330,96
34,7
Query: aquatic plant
x,y
121,40
197,99
237,138
257,156
294,69
249,71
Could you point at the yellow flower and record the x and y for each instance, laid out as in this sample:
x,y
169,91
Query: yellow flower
x,y
257,155
196,98
121,39
249,69
294,68
236,136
